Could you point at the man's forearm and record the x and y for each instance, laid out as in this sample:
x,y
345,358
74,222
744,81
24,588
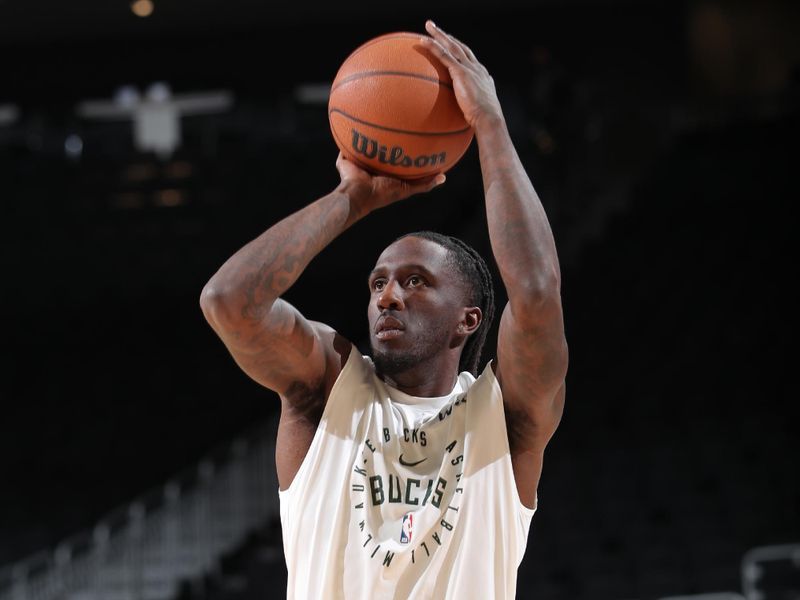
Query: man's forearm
x,y
254,277
522,241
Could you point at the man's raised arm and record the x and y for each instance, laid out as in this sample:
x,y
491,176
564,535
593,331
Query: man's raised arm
x,y
532,350
269,339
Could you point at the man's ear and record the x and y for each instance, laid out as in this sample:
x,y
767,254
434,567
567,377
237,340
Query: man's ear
x,y
470,321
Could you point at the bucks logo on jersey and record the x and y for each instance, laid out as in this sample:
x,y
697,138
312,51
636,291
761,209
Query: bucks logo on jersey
x,y
406,485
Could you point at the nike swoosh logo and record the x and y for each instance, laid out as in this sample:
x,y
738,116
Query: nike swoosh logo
x,y
411,464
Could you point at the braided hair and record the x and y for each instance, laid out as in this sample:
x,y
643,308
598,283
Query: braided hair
x,y
476,276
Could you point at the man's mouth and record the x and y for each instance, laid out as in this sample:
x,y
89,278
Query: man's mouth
x,y
389,328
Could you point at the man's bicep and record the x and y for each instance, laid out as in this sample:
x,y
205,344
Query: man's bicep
x,y
531,368
532,364
284,350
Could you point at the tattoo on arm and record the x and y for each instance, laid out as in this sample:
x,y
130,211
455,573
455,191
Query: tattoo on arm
x,y
283,254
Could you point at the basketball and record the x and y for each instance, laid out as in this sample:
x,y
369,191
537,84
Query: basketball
x,y
392,109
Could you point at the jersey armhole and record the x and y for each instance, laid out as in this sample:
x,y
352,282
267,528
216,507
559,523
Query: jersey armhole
x,y
349,365
525,511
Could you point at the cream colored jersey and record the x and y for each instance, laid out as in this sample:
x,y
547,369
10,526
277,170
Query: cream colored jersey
x,y
401,497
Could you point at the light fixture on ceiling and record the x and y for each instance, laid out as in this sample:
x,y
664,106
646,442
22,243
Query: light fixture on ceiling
x,y
156,114
142,8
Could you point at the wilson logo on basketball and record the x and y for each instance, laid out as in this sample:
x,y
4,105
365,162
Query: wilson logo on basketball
x,y
395,155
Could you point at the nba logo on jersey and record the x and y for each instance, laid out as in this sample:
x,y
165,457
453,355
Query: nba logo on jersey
x,y
405,532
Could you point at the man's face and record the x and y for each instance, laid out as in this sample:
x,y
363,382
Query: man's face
x,y
416,303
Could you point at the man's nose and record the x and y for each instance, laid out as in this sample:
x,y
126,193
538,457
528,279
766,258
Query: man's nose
x,y
391,297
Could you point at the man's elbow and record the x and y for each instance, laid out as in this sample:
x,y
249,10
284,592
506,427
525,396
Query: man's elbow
x,y
537,294
217,305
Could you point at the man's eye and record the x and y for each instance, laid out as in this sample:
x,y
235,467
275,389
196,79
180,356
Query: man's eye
x,y
378,284
415,280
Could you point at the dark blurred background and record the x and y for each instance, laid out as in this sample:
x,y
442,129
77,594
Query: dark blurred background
x,y
661,137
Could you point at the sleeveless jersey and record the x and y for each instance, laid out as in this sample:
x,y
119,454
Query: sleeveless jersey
x,y
401,497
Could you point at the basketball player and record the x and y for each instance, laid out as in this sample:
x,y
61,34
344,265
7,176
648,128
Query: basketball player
x,y
405,476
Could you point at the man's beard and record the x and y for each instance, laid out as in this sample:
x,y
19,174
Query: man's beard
x,y
389,362
393,361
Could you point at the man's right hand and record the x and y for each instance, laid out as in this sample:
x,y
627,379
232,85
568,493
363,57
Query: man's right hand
x,y
370,192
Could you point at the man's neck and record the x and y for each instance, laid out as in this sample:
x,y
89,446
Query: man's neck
x,y
425,380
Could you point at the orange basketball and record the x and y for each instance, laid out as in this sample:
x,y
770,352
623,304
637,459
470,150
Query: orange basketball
x,y
392,109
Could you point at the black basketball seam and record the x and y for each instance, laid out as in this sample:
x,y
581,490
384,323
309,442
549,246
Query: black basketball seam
x,y
362,74
372,169
393,130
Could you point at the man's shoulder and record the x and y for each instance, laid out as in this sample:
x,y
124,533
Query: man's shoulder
x,y
485,383
356,368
